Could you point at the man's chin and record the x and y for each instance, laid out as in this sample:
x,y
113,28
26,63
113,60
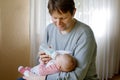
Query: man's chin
x,y
61,29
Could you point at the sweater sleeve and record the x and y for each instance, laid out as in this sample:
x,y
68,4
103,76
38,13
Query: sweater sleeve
x,y
84,52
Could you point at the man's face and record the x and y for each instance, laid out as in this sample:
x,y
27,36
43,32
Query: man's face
x,y
62,21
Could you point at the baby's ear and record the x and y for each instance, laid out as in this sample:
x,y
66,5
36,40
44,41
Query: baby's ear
x,y
59,67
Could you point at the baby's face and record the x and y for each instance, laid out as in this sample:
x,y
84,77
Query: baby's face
x,y
59,61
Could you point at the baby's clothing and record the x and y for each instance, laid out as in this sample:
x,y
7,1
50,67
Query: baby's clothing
x,y
42,69
45,69
49,68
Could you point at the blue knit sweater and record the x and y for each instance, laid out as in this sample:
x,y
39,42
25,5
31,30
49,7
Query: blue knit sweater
x,y
81,42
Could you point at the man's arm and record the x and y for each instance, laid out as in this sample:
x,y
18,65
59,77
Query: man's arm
x,y
85,53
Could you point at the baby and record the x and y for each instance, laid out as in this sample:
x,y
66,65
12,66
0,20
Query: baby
x,y
61,61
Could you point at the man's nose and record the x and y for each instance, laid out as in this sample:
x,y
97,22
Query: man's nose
x,y
59,21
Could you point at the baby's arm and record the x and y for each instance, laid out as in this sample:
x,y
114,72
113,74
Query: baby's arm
x,y
50,69
35,69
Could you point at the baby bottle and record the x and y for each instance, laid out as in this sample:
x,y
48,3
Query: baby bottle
x,y
51,52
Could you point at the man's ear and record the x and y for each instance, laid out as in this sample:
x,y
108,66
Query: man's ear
x,y
74,12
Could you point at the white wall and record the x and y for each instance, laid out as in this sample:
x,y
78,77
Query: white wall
x,y
0,28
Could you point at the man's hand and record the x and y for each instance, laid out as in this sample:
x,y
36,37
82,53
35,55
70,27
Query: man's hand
x,y
44,57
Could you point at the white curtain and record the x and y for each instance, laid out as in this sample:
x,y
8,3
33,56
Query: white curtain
x,y
38,20
103,16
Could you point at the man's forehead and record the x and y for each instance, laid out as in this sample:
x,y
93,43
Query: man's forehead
x,y
57,14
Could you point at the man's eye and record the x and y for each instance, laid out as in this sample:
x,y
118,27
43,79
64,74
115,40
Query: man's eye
x,y
54,18
65,18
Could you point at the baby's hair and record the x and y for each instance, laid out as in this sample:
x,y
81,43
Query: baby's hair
x,y
69,63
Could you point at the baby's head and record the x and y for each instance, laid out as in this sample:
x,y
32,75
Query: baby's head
x,y
66,62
